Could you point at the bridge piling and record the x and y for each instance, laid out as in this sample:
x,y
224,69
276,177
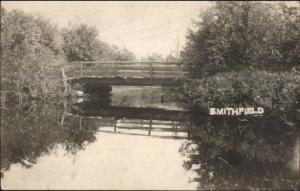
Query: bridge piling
x,y
116,69
150,126
151,73
115,126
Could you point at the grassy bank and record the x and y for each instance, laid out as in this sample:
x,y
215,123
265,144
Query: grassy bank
x,y
277,93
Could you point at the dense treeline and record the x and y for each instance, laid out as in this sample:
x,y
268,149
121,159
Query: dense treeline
x,y
246,54
33,51
156,57
30,54
34,129
235,35
278,94
235,155
81,43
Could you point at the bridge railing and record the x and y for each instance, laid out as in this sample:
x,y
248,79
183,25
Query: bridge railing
x,y
131,126
127,69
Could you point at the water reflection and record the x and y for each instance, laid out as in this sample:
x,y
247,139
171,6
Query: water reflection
x,y
130,126
230,154
111,162
29,132
146,97
84,144
142,140
147,111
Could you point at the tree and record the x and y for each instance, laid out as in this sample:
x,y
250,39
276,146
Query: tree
x,y
239,35
30,55
155,57
122,54
171,58
80,42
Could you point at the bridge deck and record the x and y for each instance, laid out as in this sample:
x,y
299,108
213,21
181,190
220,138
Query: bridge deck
x,y
126,73
130,112
115,81
129,126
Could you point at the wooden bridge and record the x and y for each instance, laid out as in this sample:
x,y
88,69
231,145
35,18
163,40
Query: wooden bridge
x,y
126,73
153,122
129,126
130,112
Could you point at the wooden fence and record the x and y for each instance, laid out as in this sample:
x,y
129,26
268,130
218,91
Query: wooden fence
x,y
126,69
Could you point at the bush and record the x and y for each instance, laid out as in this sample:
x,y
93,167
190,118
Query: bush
x,y
277,93
31,56
235,35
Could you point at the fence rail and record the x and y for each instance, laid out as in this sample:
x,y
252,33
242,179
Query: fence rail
x,y
149,127
127,69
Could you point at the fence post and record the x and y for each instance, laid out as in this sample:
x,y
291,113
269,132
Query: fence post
x,y
188,127
176,130
150,126
116,69
115,126
177,68
81,69
151,72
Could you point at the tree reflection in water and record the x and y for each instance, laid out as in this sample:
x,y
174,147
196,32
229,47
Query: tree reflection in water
x,y
31,131
226,153
233,154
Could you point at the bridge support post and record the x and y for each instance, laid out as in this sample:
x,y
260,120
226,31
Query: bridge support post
x,y
116,69
175,129
151,73
142,123
188,127
115,126
150,126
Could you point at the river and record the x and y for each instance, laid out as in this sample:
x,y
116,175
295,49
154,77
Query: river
x,y
141,138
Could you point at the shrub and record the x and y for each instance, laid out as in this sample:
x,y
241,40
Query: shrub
x,y
277,93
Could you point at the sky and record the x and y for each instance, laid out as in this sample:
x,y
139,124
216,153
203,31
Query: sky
x,y
142,27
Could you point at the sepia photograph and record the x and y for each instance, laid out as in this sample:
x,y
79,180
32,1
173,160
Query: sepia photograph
x,y
150,95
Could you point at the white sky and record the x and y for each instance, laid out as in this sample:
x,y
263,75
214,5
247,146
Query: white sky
x,y
143,27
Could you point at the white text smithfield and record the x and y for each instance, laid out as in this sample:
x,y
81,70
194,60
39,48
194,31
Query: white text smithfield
x,y
236,111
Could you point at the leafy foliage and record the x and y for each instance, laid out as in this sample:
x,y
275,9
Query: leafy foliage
x,y
30,54
235,35
81,43
33,51
278,94
225,149
30,131
156,57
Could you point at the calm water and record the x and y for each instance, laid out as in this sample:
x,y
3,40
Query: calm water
x,y
140,138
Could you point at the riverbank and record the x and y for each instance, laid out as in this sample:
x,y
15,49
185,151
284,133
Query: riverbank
x,y
262,149
277,93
